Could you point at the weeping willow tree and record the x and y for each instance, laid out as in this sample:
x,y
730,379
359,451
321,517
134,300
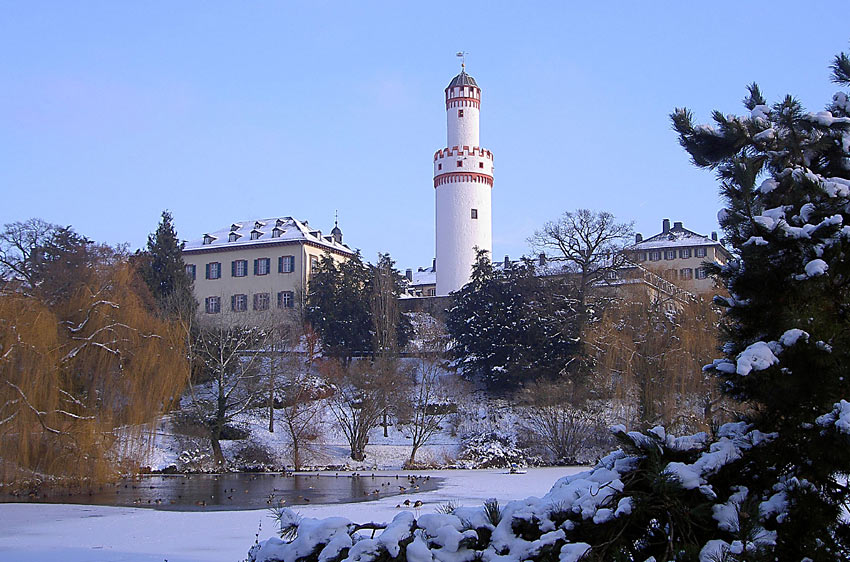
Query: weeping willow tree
x,y
650,349
83,376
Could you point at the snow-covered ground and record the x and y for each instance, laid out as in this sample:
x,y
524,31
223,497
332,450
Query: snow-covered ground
x,y
77,533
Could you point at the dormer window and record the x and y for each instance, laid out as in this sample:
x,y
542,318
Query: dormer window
x,y
255,234
279,223
234,237
208,239
258,225
276,232
235,226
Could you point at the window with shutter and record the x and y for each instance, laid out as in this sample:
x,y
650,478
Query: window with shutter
x,y
261,301
212,305
213,270
239,303
286,264
285,299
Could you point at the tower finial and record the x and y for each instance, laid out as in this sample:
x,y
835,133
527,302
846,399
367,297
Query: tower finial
x,y
462,55
336,217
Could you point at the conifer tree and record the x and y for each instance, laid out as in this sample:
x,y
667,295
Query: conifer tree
x,y
338,306
507,326
165,271
785,176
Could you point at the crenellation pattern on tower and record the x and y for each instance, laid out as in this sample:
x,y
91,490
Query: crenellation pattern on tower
x,y
463,180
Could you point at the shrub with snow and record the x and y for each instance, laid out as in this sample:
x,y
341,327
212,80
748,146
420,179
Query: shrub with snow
x,y
492,449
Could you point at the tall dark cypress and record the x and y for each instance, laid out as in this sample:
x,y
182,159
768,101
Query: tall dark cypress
x,y
165,271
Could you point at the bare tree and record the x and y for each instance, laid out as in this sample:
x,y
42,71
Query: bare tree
x,y
563,427
430,407
588,243
355,404
302,413
231,381
284,338
291,388
431,396
19,247
391,380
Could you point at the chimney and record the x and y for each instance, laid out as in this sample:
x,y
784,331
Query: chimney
x,y
714,235
408,274
541,259
638,238
434,265
665,226
677,225
507,262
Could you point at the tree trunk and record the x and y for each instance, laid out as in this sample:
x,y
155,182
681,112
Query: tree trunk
x,y
271,402
218,454
411,462
385,422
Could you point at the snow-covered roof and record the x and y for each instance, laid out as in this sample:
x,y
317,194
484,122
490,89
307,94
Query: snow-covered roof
x,y
424,276
273,230
675,237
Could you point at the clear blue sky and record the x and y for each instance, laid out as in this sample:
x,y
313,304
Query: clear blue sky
x,y
111,111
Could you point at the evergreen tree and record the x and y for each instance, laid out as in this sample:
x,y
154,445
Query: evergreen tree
x,y
338,306
506,325
785,177
353,306
165,272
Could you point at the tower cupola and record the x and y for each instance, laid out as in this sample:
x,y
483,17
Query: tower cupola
x,y
336,233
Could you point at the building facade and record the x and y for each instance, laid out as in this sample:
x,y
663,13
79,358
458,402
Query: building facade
x,y
677,255
257,266
463,181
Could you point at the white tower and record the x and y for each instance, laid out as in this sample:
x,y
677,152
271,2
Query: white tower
x,y
463,179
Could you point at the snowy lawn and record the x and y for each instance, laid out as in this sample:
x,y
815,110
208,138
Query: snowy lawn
x,y
77,533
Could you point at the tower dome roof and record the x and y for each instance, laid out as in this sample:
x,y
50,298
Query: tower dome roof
x,y
462,79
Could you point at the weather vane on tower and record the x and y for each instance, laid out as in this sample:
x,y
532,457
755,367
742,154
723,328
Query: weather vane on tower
x,y
462,55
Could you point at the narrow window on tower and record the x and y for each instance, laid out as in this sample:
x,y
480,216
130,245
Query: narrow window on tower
x,y
481,164
474,213
439,166
460,113
460,163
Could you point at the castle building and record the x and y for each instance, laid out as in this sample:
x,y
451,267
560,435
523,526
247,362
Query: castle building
x,y
463,180
677,254
253,267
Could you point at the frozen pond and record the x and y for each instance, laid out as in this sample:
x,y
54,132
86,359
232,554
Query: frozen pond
x,y
90,533
238,491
